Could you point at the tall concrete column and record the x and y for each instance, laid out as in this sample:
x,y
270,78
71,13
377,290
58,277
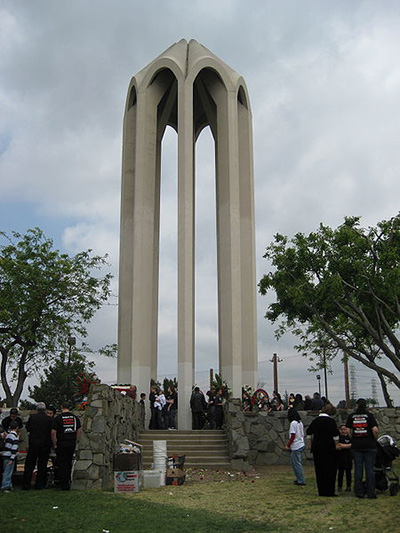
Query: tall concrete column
x,y
186,239
188,88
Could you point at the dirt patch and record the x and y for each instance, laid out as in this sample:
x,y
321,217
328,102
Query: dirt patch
x,y
199,475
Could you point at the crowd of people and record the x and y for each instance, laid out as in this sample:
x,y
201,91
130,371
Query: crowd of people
x,y
51,436
163,407
335,448
206,413
262,402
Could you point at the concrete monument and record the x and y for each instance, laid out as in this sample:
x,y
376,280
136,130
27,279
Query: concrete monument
x,y
188,88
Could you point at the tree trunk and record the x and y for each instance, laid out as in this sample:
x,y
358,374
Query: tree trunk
x,y
388,399
12,399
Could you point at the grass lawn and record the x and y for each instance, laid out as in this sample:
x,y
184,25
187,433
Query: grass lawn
x,y
208,502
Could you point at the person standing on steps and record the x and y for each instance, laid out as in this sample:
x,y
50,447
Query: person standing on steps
x,y
198,405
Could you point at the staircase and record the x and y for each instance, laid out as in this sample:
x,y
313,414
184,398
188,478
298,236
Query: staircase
x,y
206,449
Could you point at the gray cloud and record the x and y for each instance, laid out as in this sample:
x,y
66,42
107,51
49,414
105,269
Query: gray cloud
x,y
323,79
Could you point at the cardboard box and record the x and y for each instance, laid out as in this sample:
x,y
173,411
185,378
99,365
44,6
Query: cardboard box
x,y
127,481
127,462
175,476
176,461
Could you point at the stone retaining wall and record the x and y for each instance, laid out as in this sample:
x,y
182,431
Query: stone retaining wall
x,y
259,438
109,419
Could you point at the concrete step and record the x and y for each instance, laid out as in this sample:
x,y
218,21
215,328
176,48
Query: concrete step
x,y
202,449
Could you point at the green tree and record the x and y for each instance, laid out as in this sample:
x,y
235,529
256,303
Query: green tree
x,y
58,382
343,284
45,298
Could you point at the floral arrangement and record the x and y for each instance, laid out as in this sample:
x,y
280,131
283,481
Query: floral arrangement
x,y
259,398
82,384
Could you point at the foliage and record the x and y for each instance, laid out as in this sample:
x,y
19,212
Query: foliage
x,y
219,384
173,383
45,297
371,402
60,380
342,285
155,383
26,405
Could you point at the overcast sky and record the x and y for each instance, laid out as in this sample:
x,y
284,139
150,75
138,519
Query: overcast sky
x,y
324,85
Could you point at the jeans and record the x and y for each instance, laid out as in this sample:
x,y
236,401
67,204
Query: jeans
x,y
295,459
8,470
364,458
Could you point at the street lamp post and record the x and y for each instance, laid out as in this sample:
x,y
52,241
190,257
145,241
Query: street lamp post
x,y
319,384
71,342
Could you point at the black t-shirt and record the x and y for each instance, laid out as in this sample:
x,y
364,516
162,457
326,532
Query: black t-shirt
x,y
66,424
361,425
173,396
7,421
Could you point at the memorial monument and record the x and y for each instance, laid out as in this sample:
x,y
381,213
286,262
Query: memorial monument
x,y
188,88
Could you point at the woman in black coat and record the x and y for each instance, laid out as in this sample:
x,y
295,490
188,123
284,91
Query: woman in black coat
x,y
325,436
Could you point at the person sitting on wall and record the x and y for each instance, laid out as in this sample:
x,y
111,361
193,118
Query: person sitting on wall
x,y
132,392
307,403
317,404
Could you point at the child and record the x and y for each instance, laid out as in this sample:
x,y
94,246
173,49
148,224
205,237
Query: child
x,y
10,455
344,458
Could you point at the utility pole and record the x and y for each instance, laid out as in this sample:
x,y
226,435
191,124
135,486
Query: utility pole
x,y
353,382
275,360
346,383
374,392
326,378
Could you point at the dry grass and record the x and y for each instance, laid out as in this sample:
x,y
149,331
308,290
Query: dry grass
x,y
269,496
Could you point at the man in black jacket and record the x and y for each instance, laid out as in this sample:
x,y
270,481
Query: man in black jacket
x,y
39,428
198,405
